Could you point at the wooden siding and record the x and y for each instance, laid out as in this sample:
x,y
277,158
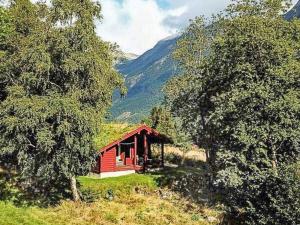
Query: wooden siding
x,y
136,145
108,160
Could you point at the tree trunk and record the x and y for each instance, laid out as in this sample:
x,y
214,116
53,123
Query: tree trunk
x,y
74,189
207,154
182,160
274,160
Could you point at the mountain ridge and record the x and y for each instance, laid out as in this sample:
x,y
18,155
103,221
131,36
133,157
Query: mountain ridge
x,y
146,75
144,78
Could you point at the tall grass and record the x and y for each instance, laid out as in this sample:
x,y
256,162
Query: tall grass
x,y
137,202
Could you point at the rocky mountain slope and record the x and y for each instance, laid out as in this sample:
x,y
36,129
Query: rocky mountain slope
x,y
145,77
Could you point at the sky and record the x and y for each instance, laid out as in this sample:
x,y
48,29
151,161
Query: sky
x,y
137,25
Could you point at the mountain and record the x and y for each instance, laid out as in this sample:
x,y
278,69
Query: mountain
x,y
122,57
294,12
145,77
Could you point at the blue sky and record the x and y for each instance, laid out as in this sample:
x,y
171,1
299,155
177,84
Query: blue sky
x,y
137,25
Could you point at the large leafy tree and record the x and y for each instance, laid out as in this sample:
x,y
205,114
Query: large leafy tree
x,y
5,30
163,121
59,81
240,99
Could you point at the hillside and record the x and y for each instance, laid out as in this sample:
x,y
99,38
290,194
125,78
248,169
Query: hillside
x,y
123,57
145,77
294,12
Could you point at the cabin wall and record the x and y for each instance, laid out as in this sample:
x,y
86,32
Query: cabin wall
x,y
108,160
137,142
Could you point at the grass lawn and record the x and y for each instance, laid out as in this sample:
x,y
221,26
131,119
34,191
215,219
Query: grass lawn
x,y
124,185
137,202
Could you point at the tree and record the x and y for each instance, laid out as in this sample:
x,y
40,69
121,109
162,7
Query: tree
x,y
243,95
5,24
59,84
5,30
163,121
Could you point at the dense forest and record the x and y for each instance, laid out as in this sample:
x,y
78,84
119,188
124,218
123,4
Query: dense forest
x,y
236,95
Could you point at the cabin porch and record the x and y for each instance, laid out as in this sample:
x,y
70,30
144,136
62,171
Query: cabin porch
x,y
132,153
135,153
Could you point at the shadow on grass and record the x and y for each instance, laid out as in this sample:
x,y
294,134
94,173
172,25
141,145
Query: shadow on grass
x,y
190,182
12,190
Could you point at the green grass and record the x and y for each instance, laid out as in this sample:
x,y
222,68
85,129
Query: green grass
x,y
119,185
112,132
11,215
137,202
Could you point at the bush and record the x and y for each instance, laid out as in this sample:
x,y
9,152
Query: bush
x,y
89,195
173,158
266,198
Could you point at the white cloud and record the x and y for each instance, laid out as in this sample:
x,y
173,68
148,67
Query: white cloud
x,y
135,25
195,8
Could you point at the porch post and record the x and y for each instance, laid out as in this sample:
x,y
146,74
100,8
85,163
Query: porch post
x,y
149,151
135,151
162,154
145,151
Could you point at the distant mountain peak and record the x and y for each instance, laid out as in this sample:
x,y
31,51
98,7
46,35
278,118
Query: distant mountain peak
x,y
130,56
123,57
171,37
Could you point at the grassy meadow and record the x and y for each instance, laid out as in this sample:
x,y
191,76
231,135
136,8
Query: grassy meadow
x,y
137,199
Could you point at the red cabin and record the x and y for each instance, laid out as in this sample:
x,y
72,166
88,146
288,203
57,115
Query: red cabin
x,y
131,152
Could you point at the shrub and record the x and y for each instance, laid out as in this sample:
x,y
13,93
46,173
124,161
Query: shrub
x,y
266,198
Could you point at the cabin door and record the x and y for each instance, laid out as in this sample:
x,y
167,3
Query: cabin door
x,y
129,155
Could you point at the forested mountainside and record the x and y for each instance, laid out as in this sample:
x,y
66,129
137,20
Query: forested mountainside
x,y
145,77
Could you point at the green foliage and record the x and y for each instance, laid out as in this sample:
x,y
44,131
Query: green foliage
x,y
239,99
5,25
268,197
59,82
163,121
5,30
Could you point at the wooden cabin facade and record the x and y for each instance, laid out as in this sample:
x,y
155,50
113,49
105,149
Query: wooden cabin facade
x,y
131,153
